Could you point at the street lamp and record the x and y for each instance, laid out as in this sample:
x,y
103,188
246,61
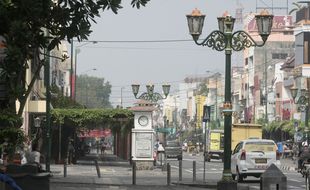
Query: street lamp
x,y
150,95
225,39
73,69
303,102
37,125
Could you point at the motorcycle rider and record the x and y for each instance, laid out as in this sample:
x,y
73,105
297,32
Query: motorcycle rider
x,y
304,155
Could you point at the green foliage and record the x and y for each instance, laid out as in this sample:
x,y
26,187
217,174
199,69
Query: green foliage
x,y
14,138
10,119
60,101
203,89
297,7
24,27
93,92
285,126
90,118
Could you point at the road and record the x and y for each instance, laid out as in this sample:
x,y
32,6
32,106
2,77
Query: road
x,y
214,172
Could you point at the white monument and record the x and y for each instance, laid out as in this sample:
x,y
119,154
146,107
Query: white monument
x,y
143,135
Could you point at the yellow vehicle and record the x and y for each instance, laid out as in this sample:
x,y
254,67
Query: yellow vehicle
x,y
240,131
215,145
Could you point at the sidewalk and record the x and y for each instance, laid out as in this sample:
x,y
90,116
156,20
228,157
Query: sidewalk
x,y
117,173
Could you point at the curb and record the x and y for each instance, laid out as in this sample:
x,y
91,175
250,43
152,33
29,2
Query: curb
x,y
203,185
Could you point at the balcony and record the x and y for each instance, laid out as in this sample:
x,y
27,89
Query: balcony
x,y
37,106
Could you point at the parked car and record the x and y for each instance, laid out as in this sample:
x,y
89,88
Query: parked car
x,y
173,149
252,157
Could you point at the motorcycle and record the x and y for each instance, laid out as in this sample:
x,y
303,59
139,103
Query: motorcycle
x,y
305,167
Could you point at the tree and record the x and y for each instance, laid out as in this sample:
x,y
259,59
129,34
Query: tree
x,y
93,92
296,8
30,26
203,89
58,100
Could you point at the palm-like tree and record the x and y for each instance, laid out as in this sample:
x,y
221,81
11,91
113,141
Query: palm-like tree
x,y
297,7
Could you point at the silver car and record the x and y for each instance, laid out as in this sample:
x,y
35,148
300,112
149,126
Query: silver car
x,y
252,157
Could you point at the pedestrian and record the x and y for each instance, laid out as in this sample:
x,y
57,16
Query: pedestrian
x,y
34,156
71,151
304,155
103,147
97,146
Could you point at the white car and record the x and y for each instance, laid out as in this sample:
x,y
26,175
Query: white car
x,y
252,157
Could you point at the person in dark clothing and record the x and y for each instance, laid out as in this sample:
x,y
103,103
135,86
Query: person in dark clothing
x,y
71,151
304,154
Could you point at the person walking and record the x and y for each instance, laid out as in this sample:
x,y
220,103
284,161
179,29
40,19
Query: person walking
x,y
70,152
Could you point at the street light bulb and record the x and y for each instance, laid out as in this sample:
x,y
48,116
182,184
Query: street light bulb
x,y
294,92
150,89
220,21
229,22
195,23
264,24
37,122
135,89
166,89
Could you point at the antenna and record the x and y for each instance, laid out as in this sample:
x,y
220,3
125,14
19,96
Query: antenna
x,y
239,13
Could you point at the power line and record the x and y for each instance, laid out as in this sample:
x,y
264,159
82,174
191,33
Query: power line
x,y
135,41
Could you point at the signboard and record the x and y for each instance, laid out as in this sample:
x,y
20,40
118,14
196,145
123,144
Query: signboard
x,y
298,137
164,130
206,113
96,133
144,145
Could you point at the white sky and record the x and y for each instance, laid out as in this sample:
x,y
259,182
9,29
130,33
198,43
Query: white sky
x,y
123,64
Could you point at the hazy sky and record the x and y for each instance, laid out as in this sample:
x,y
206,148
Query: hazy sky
x,y
125,63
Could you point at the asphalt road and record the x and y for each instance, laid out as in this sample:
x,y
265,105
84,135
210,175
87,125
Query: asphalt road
x,y
214,172
120,177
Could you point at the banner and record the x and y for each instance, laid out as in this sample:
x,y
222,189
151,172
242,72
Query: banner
x,y
96,133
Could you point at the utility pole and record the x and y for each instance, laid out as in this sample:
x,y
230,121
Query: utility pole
x,y
122,97
216,107
71,73
307,111
266,88
48,110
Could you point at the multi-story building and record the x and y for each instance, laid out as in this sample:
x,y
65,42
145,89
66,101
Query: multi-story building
x,y
259,65
60,69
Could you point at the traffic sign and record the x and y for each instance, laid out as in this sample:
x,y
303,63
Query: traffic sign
x,y
206,113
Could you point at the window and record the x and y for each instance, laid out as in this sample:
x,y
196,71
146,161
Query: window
x,y
238,147
260,146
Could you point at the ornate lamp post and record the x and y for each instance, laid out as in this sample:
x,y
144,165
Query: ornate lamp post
x,y
226,39
37,125
303,102
150,95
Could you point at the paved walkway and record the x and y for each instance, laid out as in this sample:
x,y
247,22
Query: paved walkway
x,y
116,173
